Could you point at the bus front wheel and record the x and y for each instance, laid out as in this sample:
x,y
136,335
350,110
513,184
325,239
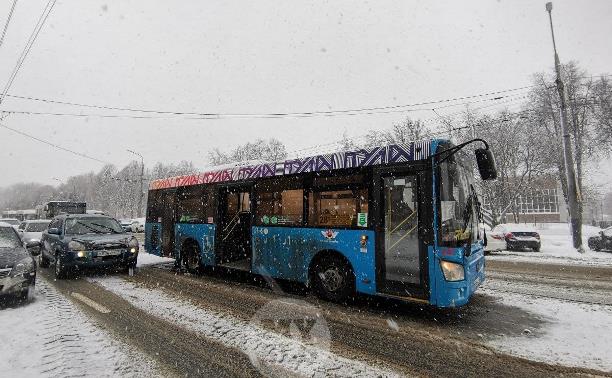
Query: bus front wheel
x,y
190,254
333,278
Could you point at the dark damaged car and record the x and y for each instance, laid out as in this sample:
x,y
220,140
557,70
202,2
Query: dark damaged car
x,y
17,266
602,241
76,242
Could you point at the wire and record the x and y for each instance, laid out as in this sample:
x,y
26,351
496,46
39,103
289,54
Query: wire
x,y
53,144
205,115
26,50
8,20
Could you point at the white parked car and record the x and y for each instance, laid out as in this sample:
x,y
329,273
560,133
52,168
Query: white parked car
x,y
513,236
138,224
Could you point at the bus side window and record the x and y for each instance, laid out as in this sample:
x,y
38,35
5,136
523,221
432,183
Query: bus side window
x,y
337,208
279,204
195,204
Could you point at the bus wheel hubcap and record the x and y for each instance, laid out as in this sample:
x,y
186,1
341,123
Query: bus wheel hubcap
x,y
331,279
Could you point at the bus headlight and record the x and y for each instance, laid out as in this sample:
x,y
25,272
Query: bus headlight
x,y
452,271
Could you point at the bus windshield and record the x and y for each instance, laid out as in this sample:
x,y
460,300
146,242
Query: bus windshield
x,y
458,217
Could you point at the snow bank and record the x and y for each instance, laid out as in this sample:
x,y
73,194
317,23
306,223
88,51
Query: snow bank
x,y
557,248
264,347
50,337
575,335
145,259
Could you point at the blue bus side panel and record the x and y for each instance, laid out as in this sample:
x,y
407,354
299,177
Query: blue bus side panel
x,y
153,232
286,252
455,294
203,234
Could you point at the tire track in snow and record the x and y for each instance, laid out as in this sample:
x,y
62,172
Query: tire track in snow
x,y
275,351
72,346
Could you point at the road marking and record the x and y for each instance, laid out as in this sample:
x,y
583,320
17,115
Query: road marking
x,y
91,303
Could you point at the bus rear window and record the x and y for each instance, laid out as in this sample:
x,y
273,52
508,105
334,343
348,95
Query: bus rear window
x,y
337,208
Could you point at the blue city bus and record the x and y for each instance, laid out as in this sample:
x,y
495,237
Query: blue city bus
x,y
397,221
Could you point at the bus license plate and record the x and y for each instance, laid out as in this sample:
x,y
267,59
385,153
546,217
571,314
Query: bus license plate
x,y
109,253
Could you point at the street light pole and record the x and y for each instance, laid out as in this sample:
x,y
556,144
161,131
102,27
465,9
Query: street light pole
x,y
573,192
140,197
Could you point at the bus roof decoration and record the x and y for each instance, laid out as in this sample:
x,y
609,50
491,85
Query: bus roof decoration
x,y
365,157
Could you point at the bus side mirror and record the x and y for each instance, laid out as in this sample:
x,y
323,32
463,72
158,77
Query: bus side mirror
x,y
486,163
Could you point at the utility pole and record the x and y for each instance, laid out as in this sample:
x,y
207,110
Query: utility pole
x,y
140,197
573,192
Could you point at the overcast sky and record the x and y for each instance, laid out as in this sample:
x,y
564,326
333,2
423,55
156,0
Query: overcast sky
x,y
263,57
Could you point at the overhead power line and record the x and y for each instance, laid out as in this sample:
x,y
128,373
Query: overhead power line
x,y
53,144
26,50
8,20
209,115
213,116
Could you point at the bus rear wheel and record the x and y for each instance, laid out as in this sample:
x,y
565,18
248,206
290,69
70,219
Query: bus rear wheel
x,y
190,254
333,278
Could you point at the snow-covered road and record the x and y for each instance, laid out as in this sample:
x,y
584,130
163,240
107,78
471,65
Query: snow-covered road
x,y
164,323
51,337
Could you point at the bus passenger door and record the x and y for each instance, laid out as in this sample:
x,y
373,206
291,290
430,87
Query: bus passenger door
x,y
234,231
402,253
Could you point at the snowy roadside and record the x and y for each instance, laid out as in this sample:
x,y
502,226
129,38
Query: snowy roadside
x,y
575,334
557,248
272,350
51,337
145,259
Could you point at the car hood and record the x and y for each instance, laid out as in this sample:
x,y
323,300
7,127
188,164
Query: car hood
x,y
9,256
31,235
103,240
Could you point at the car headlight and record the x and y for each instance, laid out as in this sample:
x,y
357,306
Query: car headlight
x,y
75,246
452,271
133,245
22,267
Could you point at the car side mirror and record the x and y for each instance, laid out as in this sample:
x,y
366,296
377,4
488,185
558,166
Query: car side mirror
x,y
486,163
54,231
33,247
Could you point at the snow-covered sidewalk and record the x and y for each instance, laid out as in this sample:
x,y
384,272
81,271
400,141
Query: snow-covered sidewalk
x,y
574,334
51,337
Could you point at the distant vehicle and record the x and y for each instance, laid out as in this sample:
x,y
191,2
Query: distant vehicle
x,y
21,215
97,212
17,266
31,232
126,224
55,208
138,225
14,222
79,241
601,242
513,237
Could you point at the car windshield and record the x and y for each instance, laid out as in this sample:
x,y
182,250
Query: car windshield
x,y
102,225
36,227
8,238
